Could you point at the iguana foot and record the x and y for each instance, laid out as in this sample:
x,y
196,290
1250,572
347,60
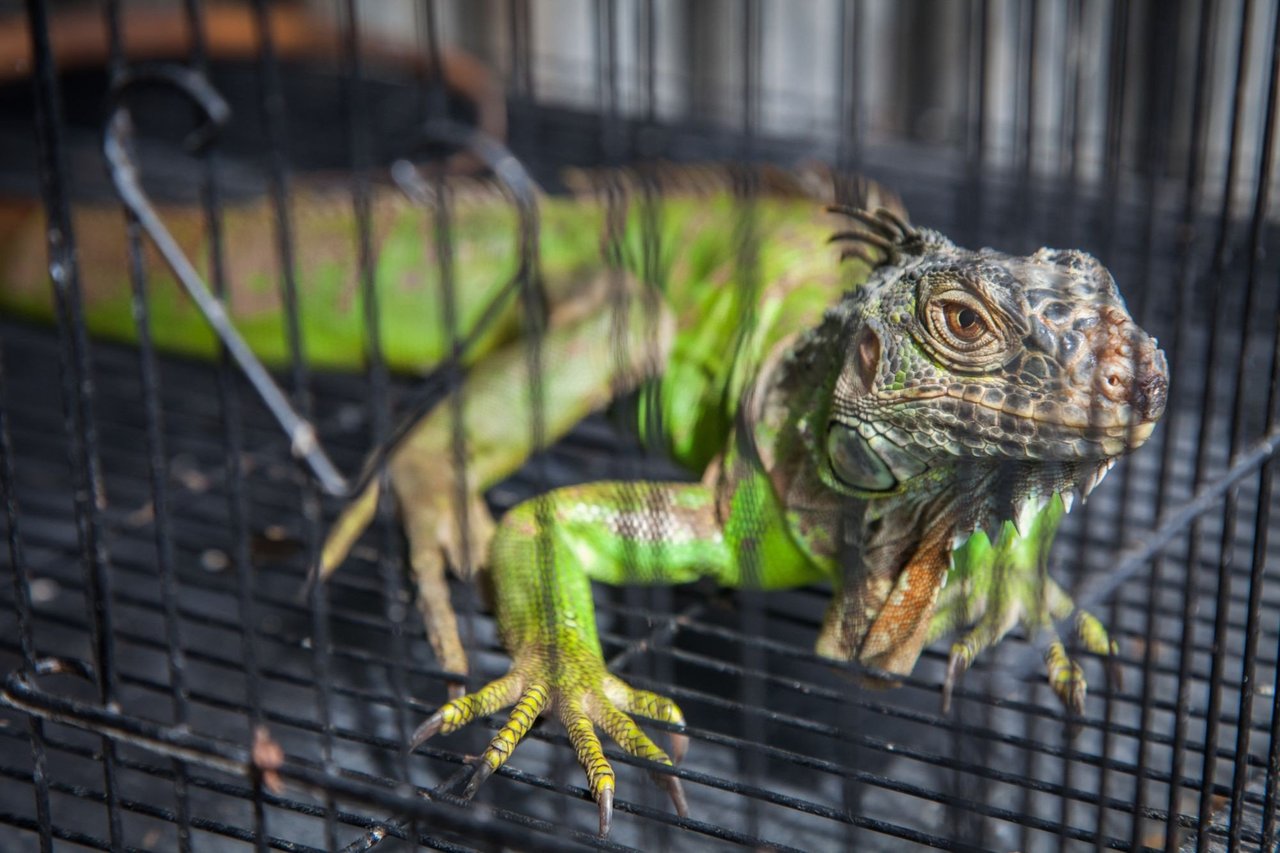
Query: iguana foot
x,y
1001,613
584,696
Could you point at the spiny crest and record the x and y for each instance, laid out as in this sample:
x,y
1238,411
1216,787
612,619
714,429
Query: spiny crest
x,y
882,231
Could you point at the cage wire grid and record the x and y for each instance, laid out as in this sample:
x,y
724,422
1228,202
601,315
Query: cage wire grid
x,y
159,530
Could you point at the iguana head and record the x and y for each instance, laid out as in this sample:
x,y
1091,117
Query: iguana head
x,y
958,357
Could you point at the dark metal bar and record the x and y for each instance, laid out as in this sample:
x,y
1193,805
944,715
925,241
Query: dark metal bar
x,y
272,110
849,87
1158,94
157,465
1025,115
972,199
747,280
440,211
356,114
1226,542
22,608
1192,188
1262,515
230,356
77,381
1076,73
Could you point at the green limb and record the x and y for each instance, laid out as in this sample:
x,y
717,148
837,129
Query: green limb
x,y
594,357
544,556
996,587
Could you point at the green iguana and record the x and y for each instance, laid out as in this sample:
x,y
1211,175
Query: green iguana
x,y
867,404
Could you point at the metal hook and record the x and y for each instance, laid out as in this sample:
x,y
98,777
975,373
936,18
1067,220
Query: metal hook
x,y
216,110
304,442
116,146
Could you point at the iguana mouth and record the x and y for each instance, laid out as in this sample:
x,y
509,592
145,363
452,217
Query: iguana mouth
x,y
1119,426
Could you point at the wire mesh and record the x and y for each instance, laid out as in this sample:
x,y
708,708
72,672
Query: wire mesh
x,y
159,644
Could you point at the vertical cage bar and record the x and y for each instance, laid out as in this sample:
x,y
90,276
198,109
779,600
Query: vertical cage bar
x,y
1262,514
521,42
357,123
1192,588
157,465
448,324
746,278
22,606
1160,85
272,110
1028,67
1272,793
1117,72
849,87
232,429
1074,74
1185,236
77,385
1226,542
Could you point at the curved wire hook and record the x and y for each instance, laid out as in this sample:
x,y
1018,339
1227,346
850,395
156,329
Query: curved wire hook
x,y
510,173
117,148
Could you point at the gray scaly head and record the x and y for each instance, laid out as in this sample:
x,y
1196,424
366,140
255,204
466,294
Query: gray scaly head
x,y
986,361
962,390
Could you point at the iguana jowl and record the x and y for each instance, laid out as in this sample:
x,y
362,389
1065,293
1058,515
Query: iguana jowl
x,y
887,411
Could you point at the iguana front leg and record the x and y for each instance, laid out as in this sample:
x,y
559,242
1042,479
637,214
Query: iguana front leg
x,y
997,586
593,355
544,555
732,529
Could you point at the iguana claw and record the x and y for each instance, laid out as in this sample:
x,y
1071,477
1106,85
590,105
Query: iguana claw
x,y
957,664
1035,602
1066,677
429,728
605,804
583,698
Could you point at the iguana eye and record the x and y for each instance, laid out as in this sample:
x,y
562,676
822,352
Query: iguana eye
x,y
963,322
960,329
960,326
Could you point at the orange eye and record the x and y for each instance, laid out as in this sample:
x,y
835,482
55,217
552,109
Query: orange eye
x,y
963,322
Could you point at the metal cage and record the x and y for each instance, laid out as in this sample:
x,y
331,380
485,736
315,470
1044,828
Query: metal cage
x,y
156,644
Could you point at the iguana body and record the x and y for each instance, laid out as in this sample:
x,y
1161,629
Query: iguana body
x,y
853,420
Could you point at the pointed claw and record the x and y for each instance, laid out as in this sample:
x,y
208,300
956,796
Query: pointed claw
x,y
675,790
1066,678
605,803
430,728
679,746
957,665
1115,672
482,772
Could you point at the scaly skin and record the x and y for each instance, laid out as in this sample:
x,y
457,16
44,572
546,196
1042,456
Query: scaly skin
x,y
912,414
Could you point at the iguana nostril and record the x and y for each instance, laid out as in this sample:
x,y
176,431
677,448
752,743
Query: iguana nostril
x,y
1151,390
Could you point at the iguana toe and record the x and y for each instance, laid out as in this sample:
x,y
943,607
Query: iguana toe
x,y
1094,638
1066,677
1035,602
652,705
585,697
957,664
456,713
